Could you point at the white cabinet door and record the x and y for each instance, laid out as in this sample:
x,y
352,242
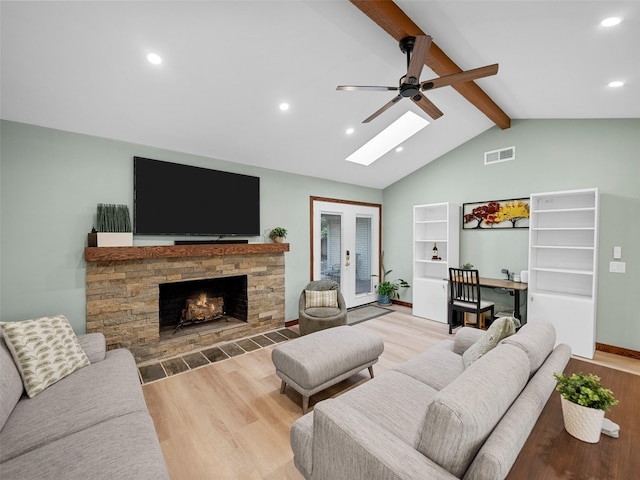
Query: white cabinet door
x,y
430,299
572,317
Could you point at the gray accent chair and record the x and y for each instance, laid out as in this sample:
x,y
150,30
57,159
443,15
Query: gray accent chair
x,y
316,319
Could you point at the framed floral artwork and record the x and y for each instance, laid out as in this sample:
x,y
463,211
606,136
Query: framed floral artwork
x,y
496,214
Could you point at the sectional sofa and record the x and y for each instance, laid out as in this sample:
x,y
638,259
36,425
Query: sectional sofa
x,y
432,417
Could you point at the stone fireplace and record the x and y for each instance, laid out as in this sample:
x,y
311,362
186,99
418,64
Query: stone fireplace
x,y
124,286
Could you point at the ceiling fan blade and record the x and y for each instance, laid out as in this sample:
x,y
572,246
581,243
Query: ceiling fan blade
x,y
386,107
427,105
351,88
454,78
418,58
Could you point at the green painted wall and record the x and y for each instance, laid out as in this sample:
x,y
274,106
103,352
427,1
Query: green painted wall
x,y
50,183
551,155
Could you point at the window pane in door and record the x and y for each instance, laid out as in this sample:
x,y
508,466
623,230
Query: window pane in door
x,y
363,255
330,246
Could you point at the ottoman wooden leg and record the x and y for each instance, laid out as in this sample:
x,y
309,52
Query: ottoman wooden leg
x,y
305,404
282,386
371,371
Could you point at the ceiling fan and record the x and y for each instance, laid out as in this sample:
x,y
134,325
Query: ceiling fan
x,y
417,49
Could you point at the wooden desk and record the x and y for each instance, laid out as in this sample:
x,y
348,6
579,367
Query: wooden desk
x,y
517,287
551,453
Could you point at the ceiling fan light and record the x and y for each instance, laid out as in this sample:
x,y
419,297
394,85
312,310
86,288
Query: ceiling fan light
x,y
616,84
403,128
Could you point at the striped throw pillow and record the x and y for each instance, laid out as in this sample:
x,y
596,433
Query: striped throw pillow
x,y
321,298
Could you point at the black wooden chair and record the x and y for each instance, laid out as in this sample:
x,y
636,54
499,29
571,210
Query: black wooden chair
x,y
464,296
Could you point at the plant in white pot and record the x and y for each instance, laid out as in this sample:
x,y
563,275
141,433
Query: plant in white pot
x,y
584,401
113,227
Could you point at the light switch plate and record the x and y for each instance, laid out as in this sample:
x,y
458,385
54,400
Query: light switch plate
x,y
617,253
617,267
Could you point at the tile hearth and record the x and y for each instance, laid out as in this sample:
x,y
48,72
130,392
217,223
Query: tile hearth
x,y
157,371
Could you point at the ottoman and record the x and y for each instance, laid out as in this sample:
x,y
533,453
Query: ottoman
x,y
316,361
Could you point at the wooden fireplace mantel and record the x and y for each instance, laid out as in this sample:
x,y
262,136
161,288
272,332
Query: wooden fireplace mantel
x,y
105,254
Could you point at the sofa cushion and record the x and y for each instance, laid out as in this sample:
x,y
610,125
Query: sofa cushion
x,y
437,366
94,346
89,396
536,340
11,386
501,328
396,402
462,415
301,439
465,337
45,350
321,298
123,448
498,454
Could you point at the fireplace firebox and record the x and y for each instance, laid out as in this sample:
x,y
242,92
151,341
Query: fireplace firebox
x,y
187,303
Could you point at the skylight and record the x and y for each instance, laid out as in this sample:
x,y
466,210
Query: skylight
x,y
406,126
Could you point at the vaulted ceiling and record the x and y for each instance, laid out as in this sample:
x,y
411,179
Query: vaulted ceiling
x,y
228,65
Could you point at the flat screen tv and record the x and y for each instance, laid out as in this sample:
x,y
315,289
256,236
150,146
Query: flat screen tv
x,y
174,199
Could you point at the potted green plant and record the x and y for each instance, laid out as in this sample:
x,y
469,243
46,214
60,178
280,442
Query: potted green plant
x,y
278,234
584,401
467,266
112,228
387,289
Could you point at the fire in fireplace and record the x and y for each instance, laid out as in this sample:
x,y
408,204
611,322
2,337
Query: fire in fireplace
x,y
183,304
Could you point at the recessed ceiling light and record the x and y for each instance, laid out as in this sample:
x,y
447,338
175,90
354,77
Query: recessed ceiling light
x,y
154,58
616,84
399,149
284,107
349,131
407,125
610,22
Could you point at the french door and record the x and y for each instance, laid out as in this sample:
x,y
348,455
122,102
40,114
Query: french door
x,y
346,247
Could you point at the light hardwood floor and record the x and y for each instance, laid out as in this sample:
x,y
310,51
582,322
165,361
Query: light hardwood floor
x,y
227,420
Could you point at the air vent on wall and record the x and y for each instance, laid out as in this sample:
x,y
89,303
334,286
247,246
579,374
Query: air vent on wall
x,y
501,155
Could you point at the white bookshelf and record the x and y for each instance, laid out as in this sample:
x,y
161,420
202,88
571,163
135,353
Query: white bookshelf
x,y
434,224
563,259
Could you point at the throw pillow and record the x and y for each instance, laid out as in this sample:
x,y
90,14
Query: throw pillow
x,y
499,329
45,350
321,298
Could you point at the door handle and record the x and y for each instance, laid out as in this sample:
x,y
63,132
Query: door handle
x,y
347,257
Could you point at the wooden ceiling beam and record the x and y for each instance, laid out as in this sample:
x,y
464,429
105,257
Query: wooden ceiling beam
x,y
396,23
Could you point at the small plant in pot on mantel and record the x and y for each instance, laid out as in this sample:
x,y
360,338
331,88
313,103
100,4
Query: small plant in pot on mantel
x,y
278,234
584,402
113,227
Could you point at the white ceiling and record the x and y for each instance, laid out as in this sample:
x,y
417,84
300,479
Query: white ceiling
x,y
227,65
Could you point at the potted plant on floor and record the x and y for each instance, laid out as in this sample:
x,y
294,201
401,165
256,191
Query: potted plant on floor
x,y
113,227
278,234
388,290
584,402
